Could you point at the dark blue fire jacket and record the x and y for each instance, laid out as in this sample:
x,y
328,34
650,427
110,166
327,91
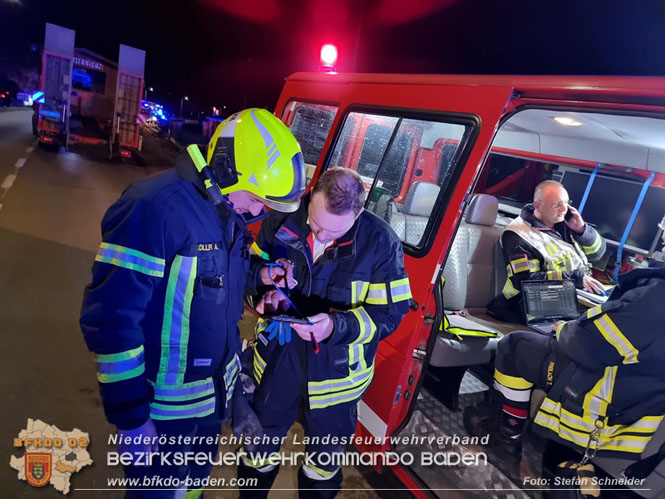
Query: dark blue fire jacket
x,y
162,309
360,280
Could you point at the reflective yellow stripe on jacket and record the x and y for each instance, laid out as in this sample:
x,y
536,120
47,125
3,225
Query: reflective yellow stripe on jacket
x,y
616,338
576,428
338,391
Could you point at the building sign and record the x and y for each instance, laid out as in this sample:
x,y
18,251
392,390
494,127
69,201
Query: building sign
x,y
88,64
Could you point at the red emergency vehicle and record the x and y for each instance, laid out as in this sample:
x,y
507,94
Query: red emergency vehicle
x,y
425,145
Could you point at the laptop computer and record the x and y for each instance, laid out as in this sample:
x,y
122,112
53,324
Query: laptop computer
x,y
546,302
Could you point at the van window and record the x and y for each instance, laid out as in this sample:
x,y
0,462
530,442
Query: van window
x,y
623,194
392,170
512,180
405,164
310,124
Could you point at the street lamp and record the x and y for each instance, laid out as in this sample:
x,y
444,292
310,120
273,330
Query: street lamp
x,y
181,102
145,92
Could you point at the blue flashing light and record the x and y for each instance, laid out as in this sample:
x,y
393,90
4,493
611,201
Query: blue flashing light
x,y
41,101
49,114
37,95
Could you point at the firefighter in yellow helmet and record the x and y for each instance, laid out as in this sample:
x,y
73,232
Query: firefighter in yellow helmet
x,y
162,309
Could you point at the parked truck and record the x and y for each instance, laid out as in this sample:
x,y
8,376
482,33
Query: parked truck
x,y
89,99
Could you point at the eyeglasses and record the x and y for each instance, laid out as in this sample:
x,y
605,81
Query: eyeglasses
x,y
560,204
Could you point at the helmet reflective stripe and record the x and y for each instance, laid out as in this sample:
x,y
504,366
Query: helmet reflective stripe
x,y
273,150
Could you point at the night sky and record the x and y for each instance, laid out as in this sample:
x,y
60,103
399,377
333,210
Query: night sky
x,y
237,53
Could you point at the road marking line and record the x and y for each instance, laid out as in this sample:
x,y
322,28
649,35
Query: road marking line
x,y
30,149
8,182
20,163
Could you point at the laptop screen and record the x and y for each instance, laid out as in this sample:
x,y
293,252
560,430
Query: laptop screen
x,y
549,300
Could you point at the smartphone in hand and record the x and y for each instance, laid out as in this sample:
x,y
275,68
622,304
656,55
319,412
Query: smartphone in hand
x,y
287,318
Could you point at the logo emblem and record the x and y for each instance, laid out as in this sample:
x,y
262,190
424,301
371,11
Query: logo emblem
x,y
38,468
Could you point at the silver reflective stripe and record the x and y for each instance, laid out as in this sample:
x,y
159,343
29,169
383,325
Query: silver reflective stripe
x,y
196,410
175,326
601,394
377,293
574,420
230,377
635,444
401,290
359,291
367,326
316,388
259,364
356,354
615,337
265,134
513,395
553,424
320,402
188,391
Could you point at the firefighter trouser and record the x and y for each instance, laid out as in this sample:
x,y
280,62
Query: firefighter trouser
x,y
524,361
281,396
168,475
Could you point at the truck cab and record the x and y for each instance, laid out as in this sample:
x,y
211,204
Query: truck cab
x,y
448,162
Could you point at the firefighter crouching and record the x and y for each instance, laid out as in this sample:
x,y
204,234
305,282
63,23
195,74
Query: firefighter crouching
x,y
601,371
162,309
350,282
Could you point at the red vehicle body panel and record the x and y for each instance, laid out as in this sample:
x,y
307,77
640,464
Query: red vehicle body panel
x,y
488,100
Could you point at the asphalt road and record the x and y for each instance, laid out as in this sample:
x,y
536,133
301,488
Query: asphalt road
x,y
51,205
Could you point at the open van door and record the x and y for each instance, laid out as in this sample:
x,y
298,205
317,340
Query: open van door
x,y
423,145
433,138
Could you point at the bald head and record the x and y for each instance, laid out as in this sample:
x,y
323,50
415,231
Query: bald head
x,y
550,201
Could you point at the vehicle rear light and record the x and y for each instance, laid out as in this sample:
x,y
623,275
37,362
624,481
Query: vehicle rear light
x,y
125,153
47,138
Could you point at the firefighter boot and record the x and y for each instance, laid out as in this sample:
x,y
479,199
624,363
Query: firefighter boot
x,y
504,429
318,488
264,481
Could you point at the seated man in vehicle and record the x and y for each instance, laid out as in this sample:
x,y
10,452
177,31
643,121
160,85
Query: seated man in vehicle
x,y
548,241
596,370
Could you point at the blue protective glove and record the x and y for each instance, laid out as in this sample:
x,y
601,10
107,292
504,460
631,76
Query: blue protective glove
x,y
280,329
